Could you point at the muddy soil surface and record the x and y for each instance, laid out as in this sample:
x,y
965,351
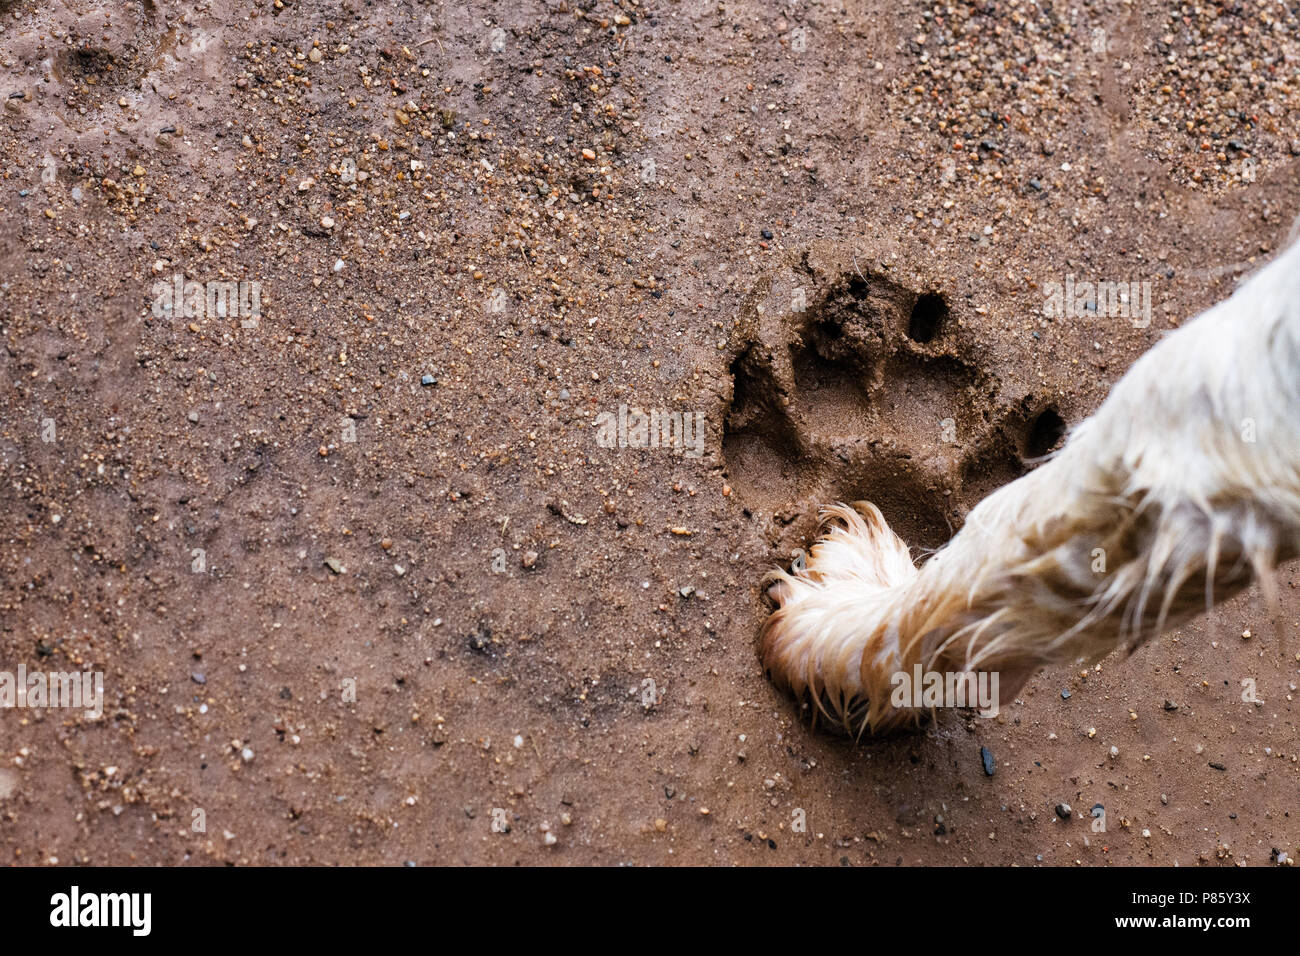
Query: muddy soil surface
x,y
319,322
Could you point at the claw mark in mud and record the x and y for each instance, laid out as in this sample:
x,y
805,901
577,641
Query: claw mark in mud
x,y
928,314
851,384
1045,432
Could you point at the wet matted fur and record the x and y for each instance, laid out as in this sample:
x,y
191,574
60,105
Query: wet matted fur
x,y
1181,489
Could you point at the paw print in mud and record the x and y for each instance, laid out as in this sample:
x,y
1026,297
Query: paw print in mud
x,y
850,385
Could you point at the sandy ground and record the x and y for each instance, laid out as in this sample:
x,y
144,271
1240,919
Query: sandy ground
x,y
364,584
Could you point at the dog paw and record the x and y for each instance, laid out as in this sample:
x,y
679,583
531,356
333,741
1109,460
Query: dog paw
x,y
828,629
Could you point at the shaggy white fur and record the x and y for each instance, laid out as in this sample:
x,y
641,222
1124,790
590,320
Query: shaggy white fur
x,y
1181,489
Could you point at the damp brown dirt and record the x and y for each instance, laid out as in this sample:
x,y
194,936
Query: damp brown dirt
x,y
365,576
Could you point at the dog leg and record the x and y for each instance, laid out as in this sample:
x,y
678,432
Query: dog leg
x,y
1181,489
